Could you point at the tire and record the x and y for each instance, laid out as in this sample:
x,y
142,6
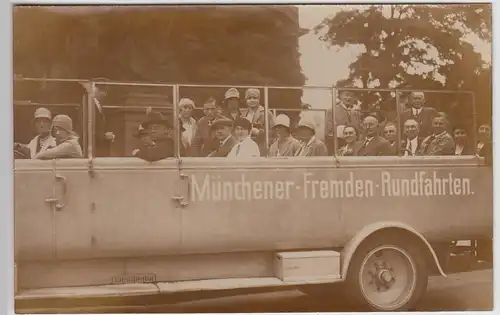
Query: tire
x,y
403,257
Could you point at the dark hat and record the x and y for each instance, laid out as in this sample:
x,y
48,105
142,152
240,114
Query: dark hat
x,y
243,123
154,117
223,121
140,132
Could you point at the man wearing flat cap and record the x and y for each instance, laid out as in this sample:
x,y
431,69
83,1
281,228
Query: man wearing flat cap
x,y
256,114
204,141
157,127
222,127
245,147
232,104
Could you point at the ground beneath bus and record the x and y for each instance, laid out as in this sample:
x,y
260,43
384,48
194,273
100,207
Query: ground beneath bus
x,y
460,291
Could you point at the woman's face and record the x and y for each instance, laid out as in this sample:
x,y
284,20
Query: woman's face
x,y
485,133
240,133
43,126
252,101
233,104
350,134
281,132
186,111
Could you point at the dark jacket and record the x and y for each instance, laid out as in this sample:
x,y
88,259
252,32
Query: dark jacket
x,y
223,151
204,141
467,150
378,146
424,119
486,152
164,148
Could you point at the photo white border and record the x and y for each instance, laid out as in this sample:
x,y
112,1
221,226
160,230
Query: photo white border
x,y
6,158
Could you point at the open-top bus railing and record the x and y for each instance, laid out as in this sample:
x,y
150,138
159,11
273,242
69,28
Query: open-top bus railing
x,y
92,101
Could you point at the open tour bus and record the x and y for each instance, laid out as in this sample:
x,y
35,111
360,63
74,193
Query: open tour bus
x,y
100,227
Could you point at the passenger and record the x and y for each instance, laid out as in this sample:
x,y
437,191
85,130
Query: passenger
x,y
245,147
158,128
232,104
255,113
145,140
463,145
223,127
204,141
390,134
104,138
484,146
422,114
188,124
411,143
440,142
351,135
311,146
345,114
66,140
372,144
43,140
285,144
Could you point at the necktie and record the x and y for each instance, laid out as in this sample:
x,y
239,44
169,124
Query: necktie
x,y
410,148
366,143
238,149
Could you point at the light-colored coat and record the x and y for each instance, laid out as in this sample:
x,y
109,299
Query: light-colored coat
x,y
246,148
289,147
49,143
70,148
258,122
314,147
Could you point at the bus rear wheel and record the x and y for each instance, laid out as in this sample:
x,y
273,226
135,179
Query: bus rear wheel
x,y
387,273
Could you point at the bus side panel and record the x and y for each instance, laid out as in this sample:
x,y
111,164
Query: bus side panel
x,y
258,205
434,207
132,211
34,218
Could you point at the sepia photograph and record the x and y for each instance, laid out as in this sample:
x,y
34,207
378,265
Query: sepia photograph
x,y
252,158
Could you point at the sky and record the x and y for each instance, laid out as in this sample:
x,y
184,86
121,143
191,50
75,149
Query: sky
x,y
323,66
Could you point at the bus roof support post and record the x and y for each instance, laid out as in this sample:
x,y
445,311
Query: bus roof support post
x,y
266,118
398,124
334,124
176,123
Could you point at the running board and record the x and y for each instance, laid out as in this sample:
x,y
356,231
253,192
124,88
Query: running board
x,y
290,269
124,290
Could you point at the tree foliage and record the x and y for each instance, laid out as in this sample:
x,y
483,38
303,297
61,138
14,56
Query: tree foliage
x,y
183,44
400,38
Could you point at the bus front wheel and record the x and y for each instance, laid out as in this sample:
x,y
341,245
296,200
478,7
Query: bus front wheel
x,y
387,273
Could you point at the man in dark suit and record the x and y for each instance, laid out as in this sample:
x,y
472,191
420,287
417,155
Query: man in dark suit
x,y
422,114
463,144
222,128
390,134
440,142
411,143
163,145
372,144
204,140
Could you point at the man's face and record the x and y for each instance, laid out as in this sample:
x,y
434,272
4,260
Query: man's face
x,y
240,133
348,99
485,132
252,101
233,104
390,132
460,135
417,100
43,126
210,110
157,131
60,134
411,129
370,124
146,140
438,125
186,111
222,132
349,134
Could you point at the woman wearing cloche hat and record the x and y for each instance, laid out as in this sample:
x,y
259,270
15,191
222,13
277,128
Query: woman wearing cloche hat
x,y
285,144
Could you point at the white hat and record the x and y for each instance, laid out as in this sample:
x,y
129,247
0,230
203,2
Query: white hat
x,y
282,120
186,102
252,92
232,93
307,123
42,113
